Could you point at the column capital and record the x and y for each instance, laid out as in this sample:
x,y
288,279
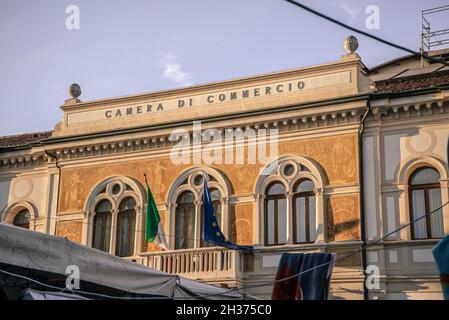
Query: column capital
x,y
289,194
258,196
170,205
444,183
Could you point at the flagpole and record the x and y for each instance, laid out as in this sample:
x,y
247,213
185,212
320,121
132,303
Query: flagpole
x,y
204,175
145,176
159,233
222,241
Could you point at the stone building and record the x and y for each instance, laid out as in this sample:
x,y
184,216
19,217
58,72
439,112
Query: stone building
x,y
405,148
303,143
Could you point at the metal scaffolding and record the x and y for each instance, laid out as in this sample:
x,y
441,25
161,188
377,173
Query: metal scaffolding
x,y
432,39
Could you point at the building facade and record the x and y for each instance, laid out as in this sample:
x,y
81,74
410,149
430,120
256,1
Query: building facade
x,y
318,159
405,150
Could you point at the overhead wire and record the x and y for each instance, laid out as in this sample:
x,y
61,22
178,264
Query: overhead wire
x,y
346,256
370,244
366,34
237,290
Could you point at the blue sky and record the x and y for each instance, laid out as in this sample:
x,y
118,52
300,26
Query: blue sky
x,y
127,47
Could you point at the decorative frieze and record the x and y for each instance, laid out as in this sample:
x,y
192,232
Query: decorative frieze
x,y
390,111
23,161
164,141
384,110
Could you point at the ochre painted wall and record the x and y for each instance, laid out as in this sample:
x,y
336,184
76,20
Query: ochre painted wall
x,y
241,223
70,229
337,155
343,217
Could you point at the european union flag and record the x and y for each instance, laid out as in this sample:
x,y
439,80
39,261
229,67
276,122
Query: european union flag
x,y
441,256
211,230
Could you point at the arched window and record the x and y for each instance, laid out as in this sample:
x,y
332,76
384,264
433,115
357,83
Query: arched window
x,y
425,197
304,215
186,214
216,203
126,224
102,226
185,221
22,219
115,223
275,214
290,201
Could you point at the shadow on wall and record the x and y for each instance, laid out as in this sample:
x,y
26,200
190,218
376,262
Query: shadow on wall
x,y
401,289
232,226
407,288
348,230
5,188
346,294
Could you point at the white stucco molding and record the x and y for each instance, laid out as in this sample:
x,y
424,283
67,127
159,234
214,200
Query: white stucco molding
x,y
223,185
12,209
273,173
139,192
178,186
405,170
96,195
317,174
429,104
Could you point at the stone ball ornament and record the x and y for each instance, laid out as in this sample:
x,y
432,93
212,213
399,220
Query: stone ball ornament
x,y
351,44
74,90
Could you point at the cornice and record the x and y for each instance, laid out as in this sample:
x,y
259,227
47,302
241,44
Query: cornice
x,y
170,125
143,141
122,144
396,109
226,84
23,161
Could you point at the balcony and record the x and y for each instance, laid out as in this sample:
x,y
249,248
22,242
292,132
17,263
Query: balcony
x,y
212,264
234,268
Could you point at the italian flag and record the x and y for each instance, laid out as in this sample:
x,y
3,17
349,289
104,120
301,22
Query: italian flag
x,y
154,231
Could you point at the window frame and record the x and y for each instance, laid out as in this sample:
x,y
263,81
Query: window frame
x,y
197,206
425,187
127,187
22,225
104,216
306,195
215,204
131,229
186,208
275,197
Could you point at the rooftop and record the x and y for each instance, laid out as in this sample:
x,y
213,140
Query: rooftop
x,y
25,139
392,77
413,82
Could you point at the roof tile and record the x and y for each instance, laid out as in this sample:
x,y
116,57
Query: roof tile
x,y
415,82
23,139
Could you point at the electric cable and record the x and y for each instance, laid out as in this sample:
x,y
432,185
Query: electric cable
x,y
237,290
366,34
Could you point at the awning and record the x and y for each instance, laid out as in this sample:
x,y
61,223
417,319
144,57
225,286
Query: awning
x,y
45,258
